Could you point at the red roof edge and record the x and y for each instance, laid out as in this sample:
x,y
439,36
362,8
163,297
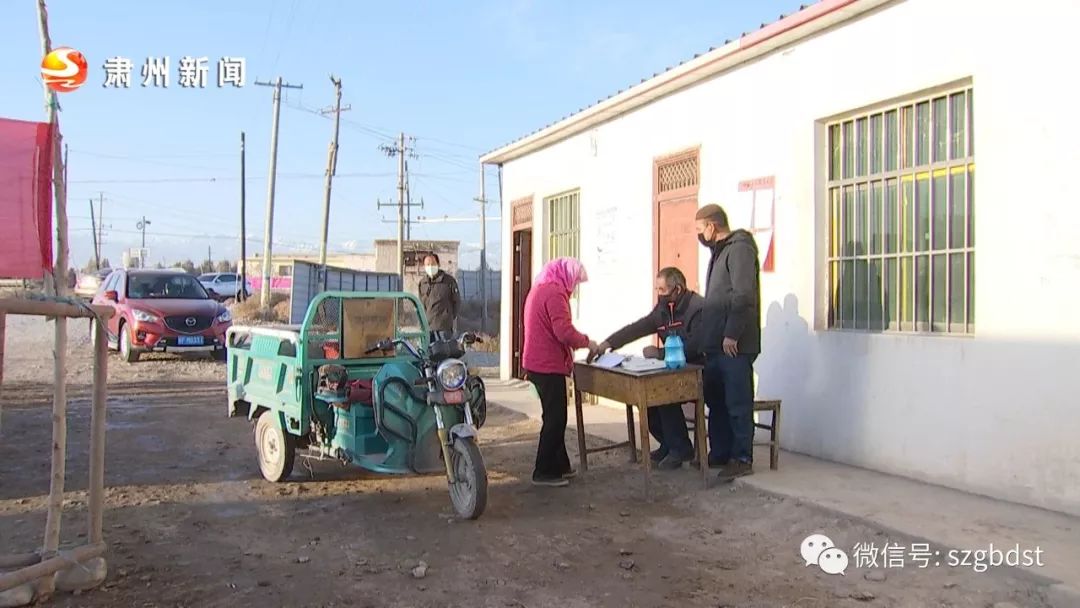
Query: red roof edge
x,y
808,14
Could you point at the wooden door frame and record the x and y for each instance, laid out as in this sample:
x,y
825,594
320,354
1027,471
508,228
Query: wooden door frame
x,y
521,219
671,195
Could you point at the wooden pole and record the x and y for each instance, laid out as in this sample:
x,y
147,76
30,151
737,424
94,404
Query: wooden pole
x,y
59,411
331,170
41,308
51,566
97,435
19,560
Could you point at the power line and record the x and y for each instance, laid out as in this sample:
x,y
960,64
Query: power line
x,y
450,143
266,34
184,219
450,161
194,154
288,30
302,245
224,178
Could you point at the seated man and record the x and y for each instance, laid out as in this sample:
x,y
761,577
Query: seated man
x,y
677,310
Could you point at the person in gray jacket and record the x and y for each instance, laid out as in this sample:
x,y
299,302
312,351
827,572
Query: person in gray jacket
x,y
731,322
440,296
678,311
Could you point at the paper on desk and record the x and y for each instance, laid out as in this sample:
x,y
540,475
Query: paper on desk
x,y
641,364
609,360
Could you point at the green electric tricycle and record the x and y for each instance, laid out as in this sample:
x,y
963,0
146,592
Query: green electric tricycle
x,y
362,381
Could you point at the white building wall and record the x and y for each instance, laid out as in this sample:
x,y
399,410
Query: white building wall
x,y
997,413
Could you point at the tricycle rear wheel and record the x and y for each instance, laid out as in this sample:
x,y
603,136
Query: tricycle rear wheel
x,y
469,492
276,448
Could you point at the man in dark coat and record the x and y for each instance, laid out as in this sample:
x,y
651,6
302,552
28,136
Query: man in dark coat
x,y
731,340
440,295
677,310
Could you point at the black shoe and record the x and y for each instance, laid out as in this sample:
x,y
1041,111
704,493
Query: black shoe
x,y
736,468
548,481
569,474
658,454
717,464
672,462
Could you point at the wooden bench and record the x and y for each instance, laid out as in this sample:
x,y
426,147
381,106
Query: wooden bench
x,y
760,405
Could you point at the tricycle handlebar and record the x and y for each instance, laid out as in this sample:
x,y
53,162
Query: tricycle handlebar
x,y
389,344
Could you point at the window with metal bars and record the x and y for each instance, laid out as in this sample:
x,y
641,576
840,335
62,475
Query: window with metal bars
x,y
564,225
901,196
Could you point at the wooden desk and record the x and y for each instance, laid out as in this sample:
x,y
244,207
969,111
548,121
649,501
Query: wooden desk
x,y
644,390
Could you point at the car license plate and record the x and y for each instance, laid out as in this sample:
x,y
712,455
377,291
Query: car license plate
x,y
454,397
189,341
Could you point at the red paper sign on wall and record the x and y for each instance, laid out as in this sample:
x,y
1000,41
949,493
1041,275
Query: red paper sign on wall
x,y
25,199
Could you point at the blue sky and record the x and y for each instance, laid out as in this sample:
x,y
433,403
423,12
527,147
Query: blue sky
x,y
461,77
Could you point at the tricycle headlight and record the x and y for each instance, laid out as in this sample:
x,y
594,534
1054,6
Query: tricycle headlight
x,y
452,374
144,317
224,317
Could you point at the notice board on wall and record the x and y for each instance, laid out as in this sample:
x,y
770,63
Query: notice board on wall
x,y
755,207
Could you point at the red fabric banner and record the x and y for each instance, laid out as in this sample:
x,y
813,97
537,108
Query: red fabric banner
x,y
26,244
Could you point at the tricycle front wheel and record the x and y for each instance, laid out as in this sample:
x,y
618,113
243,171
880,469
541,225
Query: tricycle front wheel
x,y
468,491
277,449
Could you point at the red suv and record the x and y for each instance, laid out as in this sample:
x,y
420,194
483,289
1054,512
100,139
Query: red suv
x,y
162,311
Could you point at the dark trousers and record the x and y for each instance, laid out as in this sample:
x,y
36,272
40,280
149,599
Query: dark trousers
x,y
729,394
668,425
551,457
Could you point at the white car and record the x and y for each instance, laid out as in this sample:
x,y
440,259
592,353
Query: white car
x,y
89,282
224,285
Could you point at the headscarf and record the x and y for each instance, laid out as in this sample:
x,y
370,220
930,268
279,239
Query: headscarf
x,y
564,272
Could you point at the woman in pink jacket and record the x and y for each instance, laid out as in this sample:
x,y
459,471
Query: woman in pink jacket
x,y
548,359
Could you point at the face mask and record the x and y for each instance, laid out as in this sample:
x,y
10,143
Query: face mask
x,y
704,243
431,271
670,298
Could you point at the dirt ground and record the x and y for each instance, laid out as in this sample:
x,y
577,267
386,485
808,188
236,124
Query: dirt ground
x,y
190,522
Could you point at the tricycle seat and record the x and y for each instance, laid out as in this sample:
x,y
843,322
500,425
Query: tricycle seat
x,y
360,393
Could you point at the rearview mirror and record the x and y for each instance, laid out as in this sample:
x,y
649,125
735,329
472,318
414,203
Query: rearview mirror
x,y
112,296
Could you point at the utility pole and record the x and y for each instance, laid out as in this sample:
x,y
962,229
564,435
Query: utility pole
x,y
400,150
101,219
242,294
409,204
93,235
141,225
265,300
331,170
401,209
483,255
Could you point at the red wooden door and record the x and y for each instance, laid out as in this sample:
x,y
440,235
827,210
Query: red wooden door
x,y
675,202
677,243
